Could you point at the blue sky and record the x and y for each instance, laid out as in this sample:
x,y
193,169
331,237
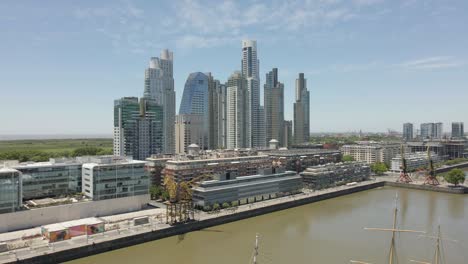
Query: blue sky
x,y
369,64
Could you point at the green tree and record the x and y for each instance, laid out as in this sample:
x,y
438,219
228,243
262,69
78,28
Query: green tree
x,y
347,158
216,206
225,205
165,195
234,203
455,177
379,168
155,192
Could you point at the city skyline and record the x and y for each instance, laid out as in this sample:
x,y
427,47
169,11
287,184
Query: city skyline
x,y
350,68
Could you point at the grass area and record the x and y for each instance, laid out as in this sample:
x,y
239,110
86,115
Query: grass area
x,y
41,150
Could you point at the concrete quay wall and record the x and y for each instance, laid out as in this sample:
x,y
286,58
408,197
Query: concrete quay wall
x,y
448,168
88,250
459,190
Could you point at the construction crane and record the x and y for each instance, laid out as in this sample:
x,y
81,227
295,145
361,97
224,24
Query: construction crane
x,y
431,178
404,176
179,208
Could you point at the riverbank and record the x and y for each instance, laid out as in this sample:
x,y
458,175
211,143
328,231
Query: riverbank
x,y
82,247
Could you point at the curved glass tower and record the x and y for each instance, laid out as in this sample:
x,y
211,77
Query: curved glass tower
x,y
195,99
195,96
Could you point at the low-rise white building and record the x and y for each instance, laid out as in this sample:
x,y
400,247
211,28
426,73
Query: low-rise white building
x,y
335,174
372,152
115,177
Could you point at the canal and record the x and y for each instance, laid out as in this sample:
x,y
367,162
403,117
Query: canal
x,y
330,231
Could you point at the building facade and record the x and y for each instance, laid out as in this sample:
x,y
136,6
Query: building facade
x,y
274,107
247,189
159,86
288,133
138,127
301,111
217,114
407,131
58,177
10,190
250,71
220,165
331,175
458,130
236,126
115,177
432,131
372,152
300,159
190,129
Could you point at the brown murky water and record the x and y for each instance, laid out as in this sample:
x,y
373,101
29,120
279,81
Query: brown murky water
x,y
325,232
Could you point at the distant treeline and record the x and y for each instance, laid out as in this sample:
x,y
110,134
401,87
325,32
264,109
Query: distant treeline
x,y
39,155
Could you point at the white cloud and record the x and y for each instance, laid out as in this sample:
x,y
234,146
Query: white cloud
x,y
436,62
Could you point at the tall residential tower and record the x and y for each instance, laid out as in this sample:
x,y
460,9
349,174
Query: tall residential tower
x,y
301,111
407,131
250,71
274,107
159,86
138,127
236,92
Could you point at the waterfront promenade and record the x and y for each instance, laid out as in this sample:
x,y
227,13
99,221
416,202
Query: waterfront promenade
x,y
119,228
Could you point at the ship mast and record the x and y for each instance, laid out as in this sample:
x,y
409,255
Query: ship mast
x,y
255,250
394,230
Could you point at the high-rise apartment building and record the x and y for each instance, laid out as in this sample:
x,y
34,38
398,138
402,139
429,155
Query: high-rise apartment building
x,y
431,130
159,86
236,92
217,114
190,129
407,131
274,107
250,71
301,111
458,130
287,133
138,128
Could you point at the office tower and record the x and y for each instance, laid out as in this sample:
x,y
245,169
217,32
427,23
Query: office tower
x,y
431,130
458,130
217,114
195,101
407,131
250,71
274,107
287,133
159,86
138,127
190,129
301,111
427,130
236,90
